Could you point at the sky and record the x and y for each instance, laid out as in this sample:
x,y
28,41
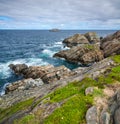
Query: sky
x,y
62,14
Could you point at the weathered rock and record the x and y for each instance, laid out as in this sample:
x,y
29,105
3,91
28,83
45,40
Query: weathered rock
x,y
117,116
81,54
47,73
91,115
18,68
23,84
114,107
89,90
111,37
105,117
92,37
75,40
111,44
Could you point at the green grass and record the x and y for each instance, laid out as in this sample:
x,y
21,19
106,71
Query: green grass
x,y
29,119
90,47
15,108
116,58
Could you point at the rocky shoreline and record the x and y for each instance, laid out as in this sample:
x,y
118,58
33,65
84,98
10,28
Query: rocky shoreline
x,y
85,49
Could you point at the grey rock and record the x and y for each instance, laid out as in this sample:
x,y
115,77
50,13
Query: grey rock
x,y
105,117
117,116
89,91
91,115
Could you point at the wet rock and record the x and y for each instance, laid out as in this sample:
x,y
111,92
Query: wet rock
x,y
91,115
86,54
75,40
92,37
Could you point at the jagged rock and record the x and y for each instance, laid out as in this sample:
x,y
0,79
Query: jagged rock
x,y
111,44
89,90
75,40
23,84
92,37
81,54
18,68
91,115
47,73
111,37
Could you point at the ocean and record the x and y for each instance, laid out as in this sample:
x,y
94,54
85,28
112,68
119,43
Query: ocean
x,y
33,47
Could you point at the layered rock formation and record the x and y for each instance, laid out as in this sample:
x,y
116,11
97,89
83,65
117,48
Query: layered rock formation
x,y
86,54
25,84
79,39
111,44
92,51
75,40
47,73
92,37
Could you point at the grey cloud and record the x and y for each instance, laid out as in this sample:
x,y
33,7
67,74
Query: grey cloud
x,y
61,11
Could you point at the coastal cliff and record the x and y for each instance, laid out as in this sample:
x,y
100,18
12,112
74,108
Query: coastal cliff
x,y
57,95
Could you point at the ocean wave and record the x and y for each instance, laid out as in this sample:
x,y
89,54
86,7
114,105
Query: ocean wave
x,y
5,72
3,89
48,53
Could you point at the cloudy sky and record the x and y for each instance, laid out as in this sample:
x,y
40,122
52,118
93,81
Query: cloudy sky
x,y
63,14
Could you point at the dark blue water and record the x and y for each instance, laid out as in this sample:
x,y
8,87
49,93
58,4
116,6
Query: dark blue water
x,y
32,47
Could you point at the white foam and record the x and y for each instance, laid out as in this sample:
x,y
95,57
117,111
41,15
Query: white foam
x,y
48,52
5,71
3,89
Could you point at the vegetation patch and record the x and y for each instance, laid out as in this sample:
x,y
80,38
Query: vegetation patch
x,y
15,108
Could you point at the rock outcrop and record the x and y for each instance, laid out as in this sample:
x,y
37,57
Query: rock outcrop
x,y
75,40
92,37
80,39
111,44
86,54
47,73
114,107
25,84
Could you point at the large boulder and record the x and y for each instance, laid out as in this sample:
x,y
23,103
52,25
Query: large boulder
x,y
47,73
86,54
111,44
92,37
75,40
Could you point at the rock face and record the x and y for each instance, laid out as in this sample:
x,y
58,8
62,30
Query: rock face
x,y
25,84
47,73
111,44
115,108
92,37
75,40
81,54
